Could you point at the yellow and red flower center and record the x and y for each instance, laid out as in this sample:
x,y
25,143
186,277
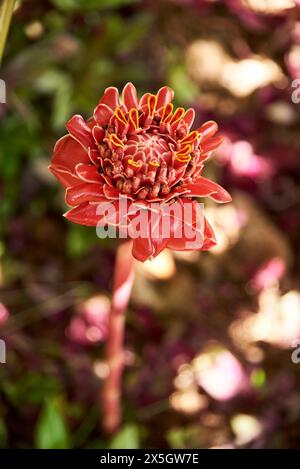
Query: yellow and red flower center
x,y
146,153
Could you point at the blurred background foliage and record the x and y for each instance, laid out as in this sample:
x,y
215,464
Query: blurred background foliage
x,y
209,336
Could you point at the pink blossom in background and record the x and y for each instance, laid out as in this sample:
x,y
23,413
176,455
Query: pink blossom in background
x,y
269,273
220,375
89,325
4,314
243,161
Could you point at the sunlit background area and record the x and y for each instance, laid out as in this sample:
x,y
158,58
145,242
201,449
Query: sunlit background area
x,y
211,338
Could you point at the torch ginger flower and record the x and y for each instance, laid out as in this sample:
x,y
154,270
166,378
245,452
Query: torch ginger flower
x,y
142,151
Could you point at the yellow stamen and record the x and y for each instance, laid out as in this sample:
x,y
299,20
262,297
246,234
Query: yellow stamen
x,y
114,139
154,163
190,138
134,118
136,164
120,116
177,116
167,112
185,159
184,151
151,105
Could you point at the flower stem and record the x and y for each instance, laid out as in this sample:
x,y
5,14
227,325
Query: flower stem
x,y
6,11
123,281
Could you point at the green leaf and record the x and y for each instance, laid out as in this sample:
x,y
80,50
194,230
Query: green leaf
x,y
79,240
59,85
258,378
183,437
185,89
51,431
127,438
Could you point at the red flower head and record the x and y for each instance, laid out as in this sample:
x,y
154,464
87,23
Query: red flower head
x,y
142,152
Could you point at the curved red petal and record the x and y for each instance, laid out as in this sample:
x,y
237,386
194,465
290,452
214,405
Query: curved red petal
x,y
111,192
208,129
142,249
182,244
110,98
80,131
187,227
203,187
102,114
144,100
84,214
64,177
189,117
88,173
210,239
85,192
130,98
91,122
211,144
164,96
98,134
68,153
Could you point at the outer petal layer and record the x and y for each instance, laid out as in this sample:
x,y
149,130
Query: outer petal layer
x,y
203,187
84,214
84,193
80,131
67,154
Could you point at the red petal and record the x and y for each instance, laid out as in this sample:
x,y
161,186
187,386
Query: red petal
x,y
98,134
208,129
94,157
130,98
152,242
64,177
84,214
210,239
142,249
188,227
91,122
203,187
159,245
102,114
88,173
81,132
85,192
211,144
67,154
111,192
110,97
164,96
189,117
180,244
144,100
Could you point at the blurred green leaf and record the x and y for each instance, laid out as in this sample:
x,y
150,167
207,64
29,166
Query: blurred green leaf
x,y
32,388
258,378
127,438
79,240
182,437
126,34
60,85
51,431
185,89
88,423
